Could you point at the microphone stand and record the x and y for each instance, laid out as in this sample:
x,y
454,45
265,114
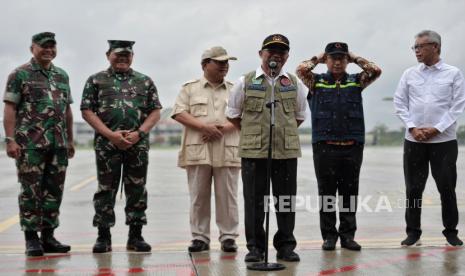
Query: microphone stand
x,y
266,266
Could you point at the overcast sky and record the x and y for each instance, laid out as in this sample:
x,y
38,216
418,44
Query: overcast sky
x,y
170,36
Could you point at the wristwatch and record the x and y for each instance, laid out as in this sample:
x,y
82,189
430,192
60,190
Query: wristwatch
x,y
142,134
9,139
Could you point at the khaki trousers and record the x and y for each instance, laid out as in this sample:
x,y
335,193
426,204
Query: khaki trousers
x,y
199,179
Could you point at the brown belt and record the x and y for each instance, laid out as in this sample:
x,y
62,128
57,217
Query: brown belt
x,y
341,143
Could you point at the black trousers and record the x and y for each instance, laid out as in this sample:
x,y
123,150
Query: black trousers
x,y
337,170
442,158
284,183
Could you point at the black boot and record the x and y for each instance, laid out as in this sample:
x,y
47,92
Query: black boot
x,y
136,241
50,244
103,243
33,246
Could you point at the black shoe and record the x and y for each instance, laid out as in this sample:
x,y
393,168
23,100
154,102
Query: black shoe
x,y
287,255
350,245
135,240
254,255
411,240
453,240
229,245
50,244
33,245
34,248
198,246
103,243
329,244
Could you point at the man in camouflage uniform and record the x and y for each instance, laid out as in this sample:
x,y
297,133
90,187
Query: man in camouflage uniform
x,y
122,106
38,128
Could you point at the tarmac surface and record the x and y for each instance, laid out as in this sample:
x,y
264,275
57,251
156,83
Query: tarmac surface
x,y
380,226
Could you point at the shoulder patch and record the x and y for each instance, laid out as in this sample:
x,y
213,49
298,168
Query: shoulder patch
x,y
191,81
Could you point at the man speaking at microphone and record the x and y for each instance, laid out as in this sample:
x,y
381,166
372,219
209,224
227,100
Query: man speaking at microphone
x,y
247,110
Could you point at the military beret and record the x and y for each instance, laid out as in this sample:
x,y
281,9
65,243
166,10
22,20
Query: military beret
x,y
276,41
337,48
42,38
119,46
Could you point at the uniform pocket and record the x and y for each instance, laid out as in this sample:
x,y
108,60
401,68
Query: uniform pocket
x,y
323,121
252,138
108,98
442,89
36,91
199,106
354,97
231,147
355,121
289,101
137,99
196,152
254,101
325,97
291,139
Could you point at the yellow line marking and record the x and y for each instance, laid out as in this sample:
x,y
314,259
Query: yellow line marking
x,y
4,225
82,184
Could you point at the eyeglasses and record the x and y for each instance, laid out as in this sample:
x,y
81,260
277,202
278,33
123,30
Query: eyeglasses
x,y
421,46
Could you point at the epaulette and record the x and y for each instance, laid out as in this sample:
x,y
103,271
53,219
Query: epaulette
x,y
191,81
228,82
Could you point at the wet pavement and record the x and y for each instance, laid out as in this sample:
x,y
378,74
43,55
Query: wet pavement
x,y
380,226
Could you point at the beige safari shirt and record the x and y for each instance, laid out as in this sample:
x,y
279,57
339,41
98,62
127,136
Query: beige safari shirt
x,y
207,104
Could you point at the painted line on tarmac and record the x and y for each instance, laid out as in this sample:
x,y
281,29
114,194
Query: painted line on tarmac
x,y
179,270
6,224
83,183
358,268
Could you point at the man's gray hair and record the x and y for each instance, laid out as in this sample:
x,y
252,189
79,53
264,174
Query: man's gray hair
x,y
432,37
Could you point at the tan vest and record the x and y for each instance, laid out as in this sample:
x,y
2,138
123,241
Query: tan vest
x,y
255,124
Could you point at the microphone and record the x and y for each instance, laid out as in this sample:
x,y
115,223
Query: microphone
x,y
272,64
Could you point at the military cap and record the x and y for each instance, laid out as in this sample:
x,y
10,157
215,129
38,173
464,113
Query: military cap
x,y
119,46
276,41
337,48
42,38
217,53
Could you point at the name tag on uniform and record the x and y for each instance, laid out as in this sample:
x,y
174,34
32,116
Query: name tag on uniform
x,y
256,87
287,88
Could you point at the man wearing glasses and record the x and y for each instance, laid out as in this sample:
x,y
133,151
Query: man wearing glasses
x,y
209,151
338,137
247,110
429,99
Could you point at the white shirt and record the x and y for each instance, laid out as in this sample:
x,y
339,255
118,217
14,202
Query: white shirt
x,y
237,95
431,96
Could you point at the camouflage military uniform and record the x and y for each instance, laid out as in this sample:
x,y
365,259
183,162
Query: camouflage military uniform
x,y
41,97
122,101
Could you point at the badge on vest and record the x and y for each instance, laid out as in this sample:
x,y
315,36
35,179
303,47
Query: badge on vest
x,y
287,88
257,81
256,87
